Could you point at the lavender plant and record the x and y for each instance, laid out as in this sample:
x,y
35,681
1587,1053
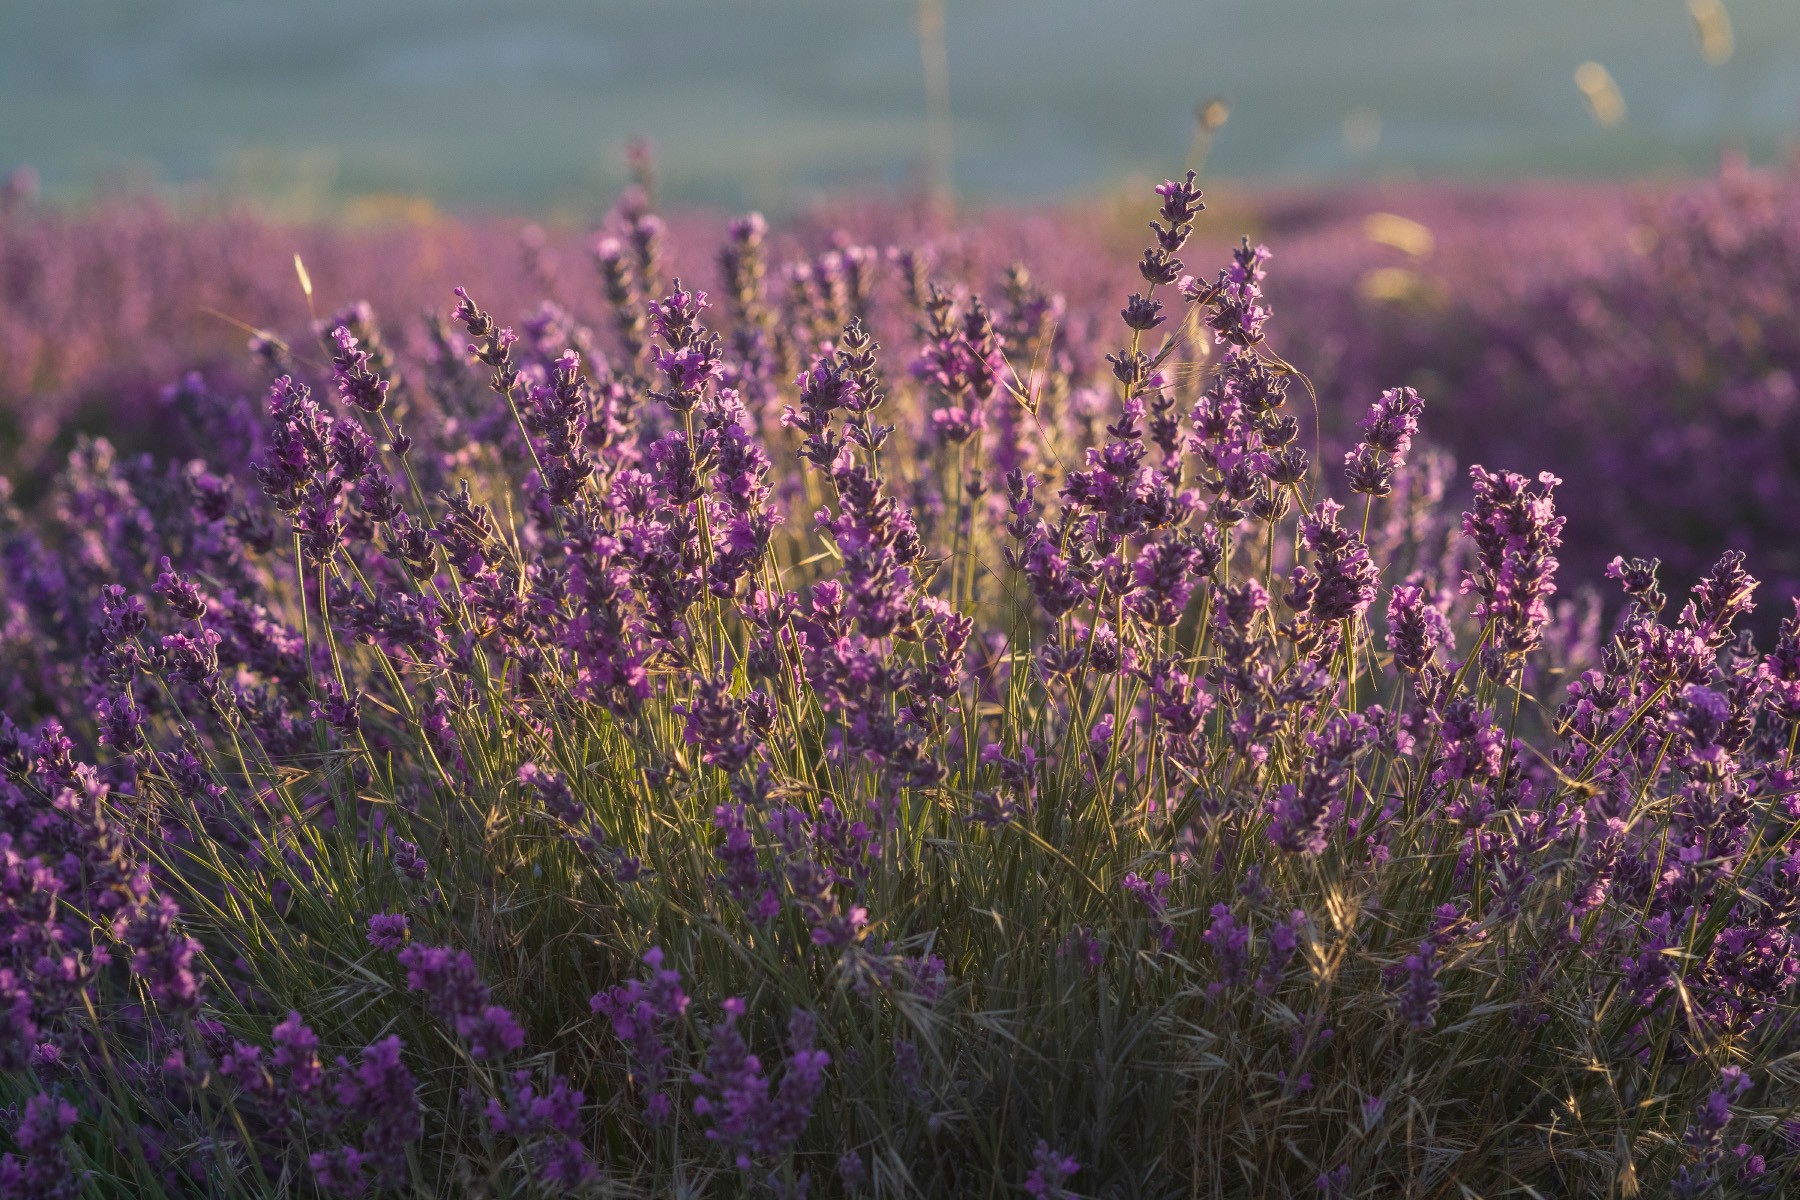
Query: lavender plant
x,y
725,755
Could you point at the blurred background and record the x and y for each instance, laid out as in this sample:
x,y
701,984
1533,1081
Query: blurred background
x,y
305,108
1573,225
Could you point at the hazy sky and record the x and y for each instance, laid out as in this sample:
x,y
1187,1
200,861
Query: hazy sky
x,y
526,103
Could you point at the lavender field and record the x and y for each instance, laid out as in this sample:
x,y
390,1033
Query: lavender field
x,y
1085,698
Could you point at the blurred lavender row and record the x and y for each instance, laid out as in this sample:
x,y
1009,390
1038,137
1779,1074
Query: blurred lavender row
x,y
1640,342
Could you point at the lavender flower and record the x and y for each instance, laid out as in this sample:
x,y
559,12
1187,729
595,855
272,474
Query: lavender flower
x,y
407,860
1416,628
1515,531
356,382
546,1124
1704,1139
1153,896
1388,431
689,356
1050,1169
1420,992
1230,943
744,1110
162,956
643,1015
458,997
379,1096
41,1170
388,931
1340,582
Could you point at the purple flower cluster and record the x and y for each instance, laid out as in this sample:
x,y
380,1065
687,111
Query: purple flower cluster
x,y
41,1169
1387,434
459,998
1515,531
744,1109
1050,1169
644,1016
377,1098
1006,731
546,1124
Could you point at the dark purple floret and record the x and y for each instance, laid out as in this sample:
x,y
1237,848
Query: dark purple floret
x,y
1152,895
161,955
184,599
1704,1139
645,1015
379,1098
41,1170
1050,1170
1420,992
745,1110
458,997
388,931
546,1125
1340,580
1387,434
1416,628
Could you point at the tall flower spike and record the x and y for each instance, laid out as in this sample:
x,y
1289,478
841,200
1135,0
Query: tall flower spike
x,y
1388,431
1516,532
356,382
689,355
745,1112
